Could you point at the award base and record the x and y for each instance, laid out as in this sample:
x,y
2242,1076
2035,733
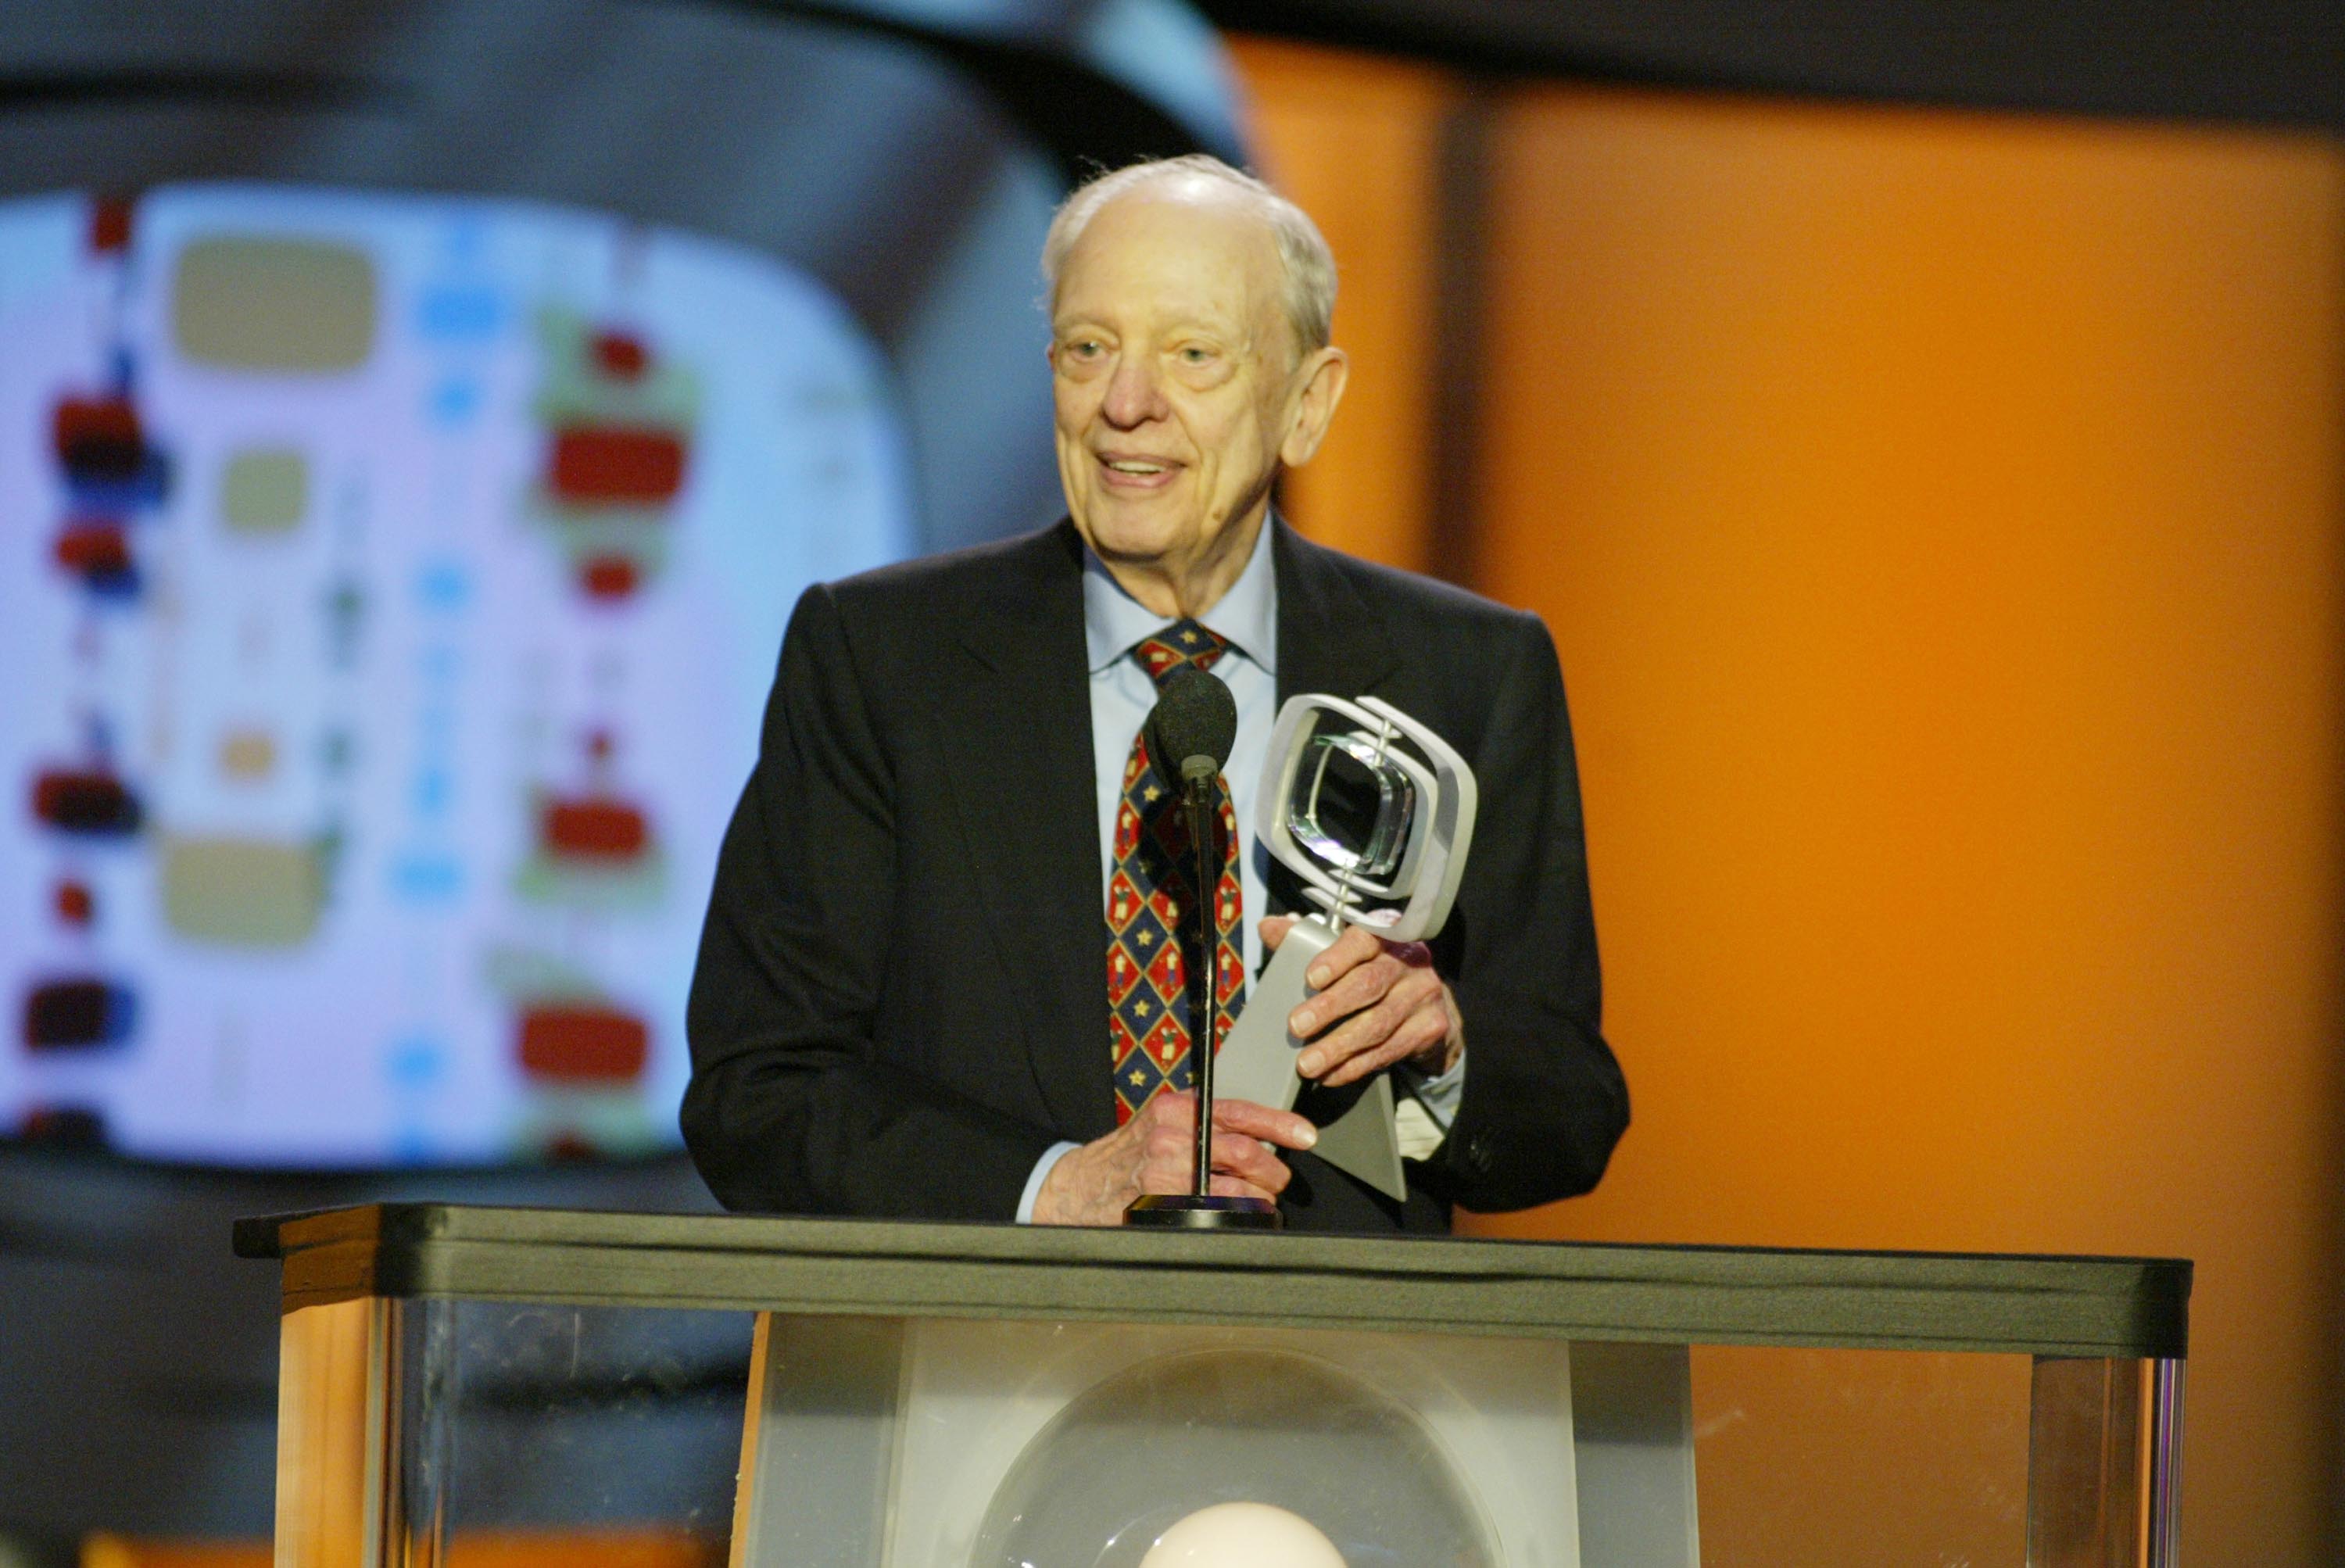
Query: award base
x,y
1184,1212
1256,1061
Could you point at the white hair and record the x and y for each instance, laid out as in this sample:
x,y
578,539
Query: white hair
x,y
1309,284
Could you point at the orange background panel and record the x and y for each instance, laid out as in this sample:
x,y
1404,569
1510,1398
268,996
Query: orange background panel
x,y
1356,142
1939,518
1942,521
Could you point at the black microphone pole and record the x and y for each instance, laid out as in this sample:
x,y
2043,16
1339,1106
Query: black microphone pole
x,y
1189,737
1197,776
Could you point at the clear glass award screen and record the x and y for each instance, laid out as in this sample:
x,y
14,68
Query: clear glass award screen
x,y
1351,803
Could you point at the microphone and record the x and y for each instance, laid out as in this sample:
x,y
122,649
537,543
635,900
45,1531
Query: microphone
x,y
1192,727
1188,736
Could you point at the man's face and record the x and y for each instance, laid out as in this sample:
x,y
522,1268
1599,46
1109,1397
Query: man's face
x,y
1176,377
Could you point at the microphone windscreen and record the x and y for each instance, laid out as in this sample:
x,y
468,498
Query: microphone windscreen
x,y
1195,715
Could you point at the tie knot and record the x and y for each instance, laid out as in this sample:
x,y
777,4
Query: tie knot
x,y
1182,641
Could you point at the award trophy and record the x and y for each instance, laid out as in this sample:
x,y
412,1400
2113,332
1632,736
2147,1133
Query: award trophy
x,y
1374,813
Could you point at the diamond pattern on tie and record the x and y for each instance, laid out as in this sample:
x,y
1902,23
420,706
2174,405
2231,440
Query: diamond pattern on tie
x,y
1150,904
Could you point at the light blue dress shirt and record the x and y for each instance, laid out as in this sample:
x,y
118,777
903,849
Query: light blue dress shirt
x,y
1123,694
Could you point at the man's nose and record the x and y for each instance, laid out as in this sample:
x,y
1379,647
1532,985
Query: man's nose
x,y
1135,394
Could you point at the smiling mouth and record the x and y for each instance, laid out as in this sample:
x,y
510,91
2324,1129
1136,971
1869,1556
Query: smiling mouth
x,y
1135,474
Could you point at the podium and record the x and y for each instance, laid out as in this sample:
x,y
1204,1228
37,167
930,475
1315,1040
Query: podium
x,y
945,1394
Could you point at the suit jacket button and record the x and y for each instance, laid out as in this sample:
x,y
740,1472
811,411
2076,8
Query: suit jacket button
x,y
1479,1155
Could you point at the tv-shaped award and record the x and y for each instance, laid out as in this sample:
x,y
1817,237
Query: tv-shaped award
x,y
1374,813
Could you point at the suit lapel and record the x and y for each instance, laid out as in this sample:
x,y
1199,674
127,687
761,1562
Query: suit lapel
x,y
1017,727
1329,640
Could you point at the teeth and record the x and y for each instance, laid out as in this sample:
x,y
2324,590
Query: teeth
x,y
1137,467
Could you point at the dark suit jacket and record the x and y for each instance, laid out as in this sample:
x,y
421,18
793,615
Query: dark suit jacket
x,y
901,998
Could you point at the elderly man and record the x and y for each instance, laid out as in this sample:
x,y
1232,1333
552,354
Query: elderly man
x,y
919,986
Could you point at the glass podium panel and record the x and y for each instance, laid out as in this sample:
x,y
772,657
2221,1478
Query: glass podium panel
x,y
1983,1459
618,1424
1935,1441
506,1435
505,1388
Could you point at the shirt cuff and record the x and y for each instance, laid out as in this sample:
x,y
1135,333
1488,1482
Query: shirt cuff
x,y
1427,1107
1042,1168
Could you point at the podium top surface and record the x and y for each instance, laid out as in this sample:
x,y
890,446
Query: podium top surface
x,y
2044,1306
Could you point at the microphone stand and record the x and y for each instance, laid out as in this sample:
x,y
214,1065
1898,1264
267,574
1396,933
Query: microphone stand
x,y
1201,1210
1205,1009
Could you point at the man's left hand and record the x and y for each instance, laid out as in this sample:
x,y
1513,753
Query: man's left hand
x,y
1379,1003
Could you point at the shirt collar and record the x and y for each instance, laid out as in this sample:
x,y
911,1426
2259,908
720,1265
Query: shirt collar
x,y
1246,616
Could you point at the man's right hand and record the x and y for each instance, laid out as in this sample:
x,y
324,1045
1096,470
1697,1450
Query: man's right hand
x,y
1156,1152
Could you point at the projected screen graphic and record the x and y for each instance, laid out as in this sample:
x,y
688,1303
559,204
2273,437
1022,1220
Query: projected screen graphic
x,y
389,588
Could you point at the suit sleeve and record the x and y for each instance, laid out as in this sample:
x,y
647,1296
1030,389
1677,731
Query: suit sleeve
x,y
1545,1102
793,1104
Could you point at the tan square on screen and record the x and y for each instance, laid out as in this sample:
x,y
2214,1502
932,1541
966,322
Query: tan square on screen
x,y
265,490
247,754
242,892
279,305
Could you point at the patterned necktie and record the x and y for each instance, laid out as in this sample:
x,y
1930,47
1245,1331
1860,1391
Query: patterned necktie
x,y
1151,906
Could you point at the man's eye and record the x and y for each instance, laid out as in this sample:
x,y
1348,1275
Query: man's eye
x,y
1087,347
1194,355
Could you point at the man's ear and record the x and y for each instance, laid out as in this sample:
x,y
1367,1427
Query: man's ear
x,y
1325,374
